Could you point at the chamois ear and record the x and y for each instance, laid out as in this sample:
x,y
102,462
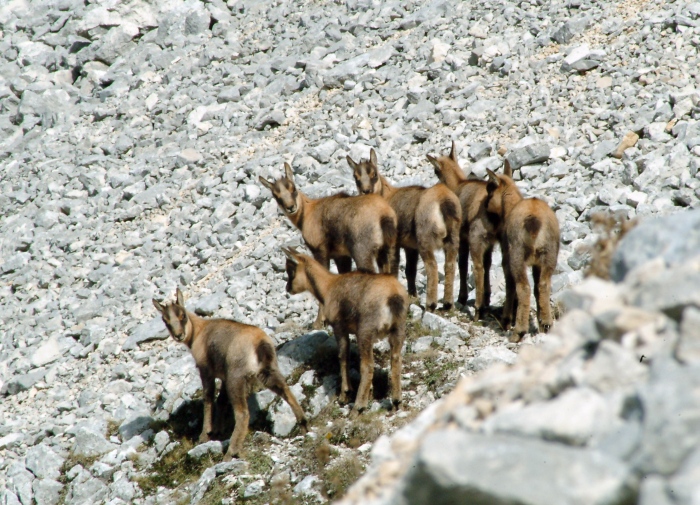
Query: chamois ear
x,y
350,161
493,181
434,161
288,171
507,170
453,151
180,298
291,254
158,306
373,158
265,182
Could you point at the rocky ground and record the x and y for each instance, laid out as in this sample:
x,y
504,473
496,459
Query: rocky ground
x,y
131,138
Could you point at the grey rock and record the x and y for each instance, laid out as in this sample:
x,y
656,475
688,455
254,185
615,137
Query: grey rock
x,y
685,485
555,420
480,150
667,440
90,443
445,327
134,425
458,467
47,491
19,481
87,492
272,118
654,490
22,382
488,356
688,350
43,462
145,332
212,447
528,155
202,485
304,350
674,238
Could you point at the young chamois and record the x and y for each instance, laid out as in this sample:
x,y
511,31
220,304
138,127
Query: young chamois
x,y
341,227
530,238
238,354
479,232
369,305
428,219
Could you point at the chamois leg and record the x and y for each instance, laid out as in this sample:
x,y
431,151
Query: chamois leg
x,y
385,260
487,278
222,412
208,390
365,261
478,269
276,383
463,264
396,339
364,343
522,290
431,270
536,288
545,319
450,264
343,264
237,389
509,303
322,257
344,356
411,270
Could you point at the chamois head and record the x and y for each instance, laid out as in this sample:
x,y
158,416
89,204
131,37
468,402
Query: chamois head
x,y
174,316
497,186
366,174
447,168
297,280
284,190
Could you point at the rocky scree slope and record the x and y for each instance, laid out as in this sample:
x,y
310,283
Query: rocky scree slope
x,y
602,411
131,138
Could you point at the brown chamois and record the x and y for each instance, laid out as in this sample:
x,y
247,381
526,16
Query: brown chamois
x,y
479,232
530,238
428,219
369,305
339,227
238,354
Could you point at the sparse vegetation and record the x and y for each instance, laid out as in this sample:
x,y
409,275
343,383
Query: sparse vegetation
x,y
341,474
176,468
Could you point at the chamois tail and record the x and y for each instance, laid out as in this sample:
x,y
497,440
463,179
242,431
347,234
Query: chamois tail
x,y
397,306
388,231
532,225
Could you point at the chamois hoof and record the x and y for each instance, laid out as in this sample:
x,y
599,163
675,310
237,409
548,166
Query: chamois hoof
x,y
462,300
203,438
516,336
544,328
432,307
343,398
230,455
446,306
396,404
303,427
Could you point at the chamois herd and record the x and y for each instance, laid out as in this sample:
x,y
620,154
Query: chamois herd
x,y
369,229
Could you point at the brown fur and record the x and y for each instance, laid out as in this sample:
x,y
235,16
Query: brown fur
x,y
479,232
339,227
238,354
428,220
370,306
530,238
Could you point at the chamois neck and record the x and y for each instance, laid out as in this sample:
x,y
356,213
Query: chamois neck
x,y
387,189
192,328
511,197
319,280
304,203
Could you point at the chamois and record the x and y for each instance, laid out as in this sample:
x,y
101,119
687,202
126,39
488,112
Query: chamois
x,y
341,227
530,238
369,305
479,232
428,219
238,354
